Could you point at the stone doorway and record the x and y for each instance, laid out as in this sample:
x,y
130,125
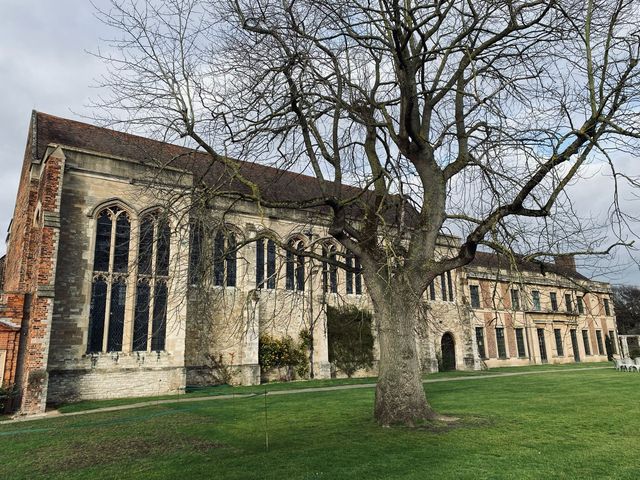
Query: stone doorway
x,y
448,350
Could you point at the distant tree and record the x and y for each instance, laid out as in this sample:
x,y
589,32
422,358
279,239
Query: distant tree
x,y
626,301
472,115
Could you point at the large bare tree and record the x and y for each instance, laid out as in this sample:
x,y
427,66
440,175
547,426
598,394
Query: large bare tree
x,y
468,115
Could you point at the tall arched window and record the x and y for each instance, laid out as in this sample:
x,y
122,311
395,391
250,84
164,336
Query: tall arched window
x,y
329,271
354,274
109,286
196,236
295,266
151,292
224,259
265,260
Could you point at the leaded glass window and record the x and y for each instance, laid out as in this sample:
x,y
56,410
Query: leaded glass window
x,y
151,292
559,343
110,276
554,301
474,293
295,266
265,263
520,343
502,350
224,259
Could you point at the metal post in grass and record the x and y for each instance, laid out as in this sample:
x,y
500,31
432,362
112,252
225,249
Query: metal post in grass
x,y
266,423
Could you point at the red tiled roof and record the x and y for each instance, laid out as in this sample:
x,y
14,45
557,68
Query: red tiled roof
x,y
275,184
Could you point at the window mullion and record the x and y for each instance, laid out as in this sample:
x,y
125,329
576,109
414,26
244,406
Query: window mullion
x,y
132,286
110,280
152,287
152,298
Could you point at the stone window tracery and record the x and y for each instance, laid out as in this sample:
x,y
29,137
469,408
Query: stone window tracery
x,y
329,271
354,277
265,262
150,315
224,259
109,285
295,266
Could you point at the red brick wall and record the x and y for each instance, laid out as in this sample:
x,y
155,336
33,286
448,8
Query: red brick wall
x,y
490,334
30,270
44,245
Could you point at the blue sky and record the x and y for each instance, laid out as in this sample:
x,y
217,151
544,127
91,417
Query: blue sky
x,y
44,65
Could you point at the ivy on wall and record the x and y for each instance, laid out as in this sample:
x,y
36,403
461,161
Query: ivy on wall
x,y
350,338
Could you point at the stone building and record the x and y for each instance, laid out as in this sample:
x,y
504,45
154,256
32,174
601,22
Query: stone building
x,y
114,287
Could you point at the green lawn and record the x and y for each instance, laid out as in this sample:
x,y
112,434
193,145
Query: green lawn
x,y
558,425
279,386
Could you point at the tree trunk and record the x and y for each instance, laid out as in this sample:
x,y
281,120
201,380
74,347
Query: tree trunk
x,y
400,396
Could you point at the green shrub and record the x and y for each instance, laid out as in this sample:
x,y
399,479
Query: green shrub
x,y
275,353
634,351
6,395
350,338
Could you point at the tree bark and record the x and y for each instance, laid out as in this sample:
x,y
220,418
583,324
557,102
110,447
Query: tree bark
x,y
400,397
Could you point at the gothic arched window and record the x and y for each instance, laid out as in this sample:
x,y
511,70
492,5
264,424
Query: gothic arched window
x,y
354,275
329,271
295,266
265,262
224,259
109,286
151,292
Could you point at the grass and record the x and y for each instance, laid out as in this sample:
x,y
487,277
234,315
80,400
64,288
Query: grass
x,y
279,386
565,424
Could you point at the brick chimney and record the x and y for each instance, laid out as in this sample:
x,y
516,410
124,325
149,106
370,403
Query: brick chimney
x,y
567,262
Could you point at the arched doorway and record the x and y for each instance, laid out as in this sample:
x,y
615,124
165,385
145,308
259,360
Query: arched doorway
x,y
448,349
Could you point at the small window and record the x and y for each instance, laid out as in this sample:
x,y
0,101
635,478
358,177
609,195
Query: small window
x,y
515,299
450,286
353,274
568,303
159,316
520,343
607,309
559,345
599,341
474,293
358,276
443,288
482,351
580,304
614,343
554,301
585,340
542,345
432,291
502,350
535,300
349,260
